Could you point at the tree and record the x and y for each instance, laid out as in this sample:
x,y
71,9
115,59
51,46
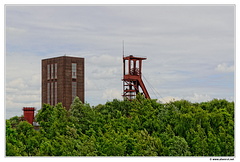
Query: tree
x,y
142,127
146,145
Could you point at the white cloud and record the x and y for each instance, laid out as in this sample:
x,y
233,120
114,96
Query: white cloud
x,y
198,97
168,99
110,94
89,85
20,93
17,83
195,97
105,60
224,68
14,31
104,73
15,108
23,84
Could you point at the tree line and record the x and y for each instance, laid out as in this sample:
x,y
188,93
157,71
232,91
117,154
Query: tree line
x,y
141,127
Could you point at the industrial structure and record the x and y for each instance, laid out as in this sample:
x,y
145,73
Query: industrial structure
x,y
28,114
132,77
62,80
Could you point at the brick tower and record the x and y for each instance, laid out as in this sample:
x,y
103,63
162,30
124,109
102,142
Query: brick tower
x,y
28,113
62,80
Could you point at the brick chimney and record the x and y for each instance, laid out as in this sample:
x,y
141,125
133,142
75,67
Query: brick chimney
x,y
28,113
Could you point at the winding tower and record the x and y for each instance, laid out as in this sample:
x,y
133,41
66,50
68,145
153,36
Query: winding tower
x,y
132,77
62,80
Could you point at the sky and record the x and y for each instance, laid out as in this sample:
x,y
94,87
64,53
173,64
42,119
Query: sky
x,y
190,50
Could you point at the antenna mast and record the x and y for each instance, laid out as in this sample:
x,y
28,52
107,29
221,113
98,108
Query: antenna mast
x,y
123,47
123,62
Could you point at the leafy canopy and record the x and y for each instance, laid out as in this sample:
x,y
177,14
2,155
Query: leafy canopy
x,y
121,128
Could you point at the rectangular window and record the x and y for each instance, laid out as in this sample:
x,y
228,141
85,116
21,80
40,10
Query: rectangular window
x,y
74,70
52,71
48,72
48,93
55,93
56,71
51,93
74,90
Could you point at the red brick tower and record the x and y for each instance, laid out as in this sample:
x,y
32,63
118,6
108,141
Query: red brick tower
x,y
28,113
62,80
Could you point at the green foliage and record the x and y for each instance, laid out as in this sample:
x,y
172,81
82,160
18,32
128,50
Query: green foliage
x,y
122,128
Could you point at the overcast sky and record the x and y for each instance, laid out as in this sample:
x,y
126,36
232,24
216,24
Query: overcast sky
x,y
189,50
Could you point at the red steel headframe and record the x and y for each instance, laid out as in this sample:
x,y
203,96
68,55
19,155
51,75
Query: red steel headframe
x,y
132,77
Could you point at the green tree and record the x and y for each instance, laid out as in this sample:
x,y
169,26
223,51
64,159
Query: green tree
x,y
146,145
141,127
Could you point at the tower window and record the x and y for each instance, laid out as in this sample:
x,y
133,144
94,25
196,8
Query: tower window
x,y
51,93
48,72
48,93
74,70
74,90
52,71
55,93
55,71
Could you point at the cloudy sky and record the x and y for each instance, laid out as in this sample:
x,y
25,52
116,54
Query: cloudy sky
x,y
189,50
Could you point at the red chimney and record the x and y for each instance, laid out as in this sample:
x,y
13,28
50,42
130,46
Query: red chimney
x,y
29,114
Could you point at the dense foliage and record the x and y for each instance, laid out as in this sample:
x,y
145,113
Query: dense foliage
x,y
121,128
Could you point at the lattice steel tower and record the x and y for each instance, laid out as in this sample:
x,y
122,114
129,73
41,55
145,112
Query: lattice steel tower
x,y
132,77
